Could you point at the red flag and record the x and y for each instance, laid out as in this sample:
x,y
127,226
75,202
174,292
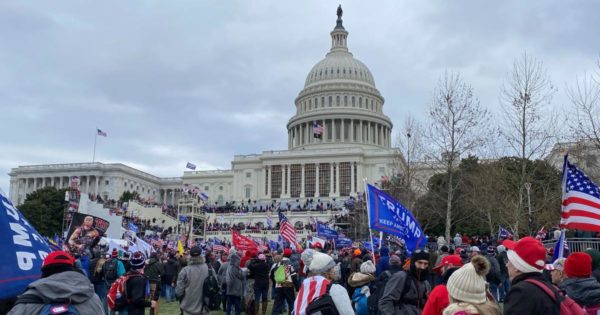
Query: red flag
x,y
242,242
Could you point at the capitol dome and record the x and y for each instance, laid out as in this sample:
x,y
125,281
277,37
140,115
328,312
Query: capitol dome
x,y
339,103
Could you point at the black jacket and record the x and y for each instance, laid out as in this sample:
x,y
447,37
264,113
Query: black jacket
x,y
260,270
170,273
136,293
528,298
584,291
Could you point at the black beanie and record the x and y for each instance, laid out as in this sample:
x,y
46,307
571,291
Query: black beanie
x,y
419,255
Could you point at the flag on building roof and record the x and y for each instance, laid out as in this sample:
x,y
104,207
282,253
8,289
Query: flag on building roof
x,y
581,200
317,130
102,133
286,229
190,166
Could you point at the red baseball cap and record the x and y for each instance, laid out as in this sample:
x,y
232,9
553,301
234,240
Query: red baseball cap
x,y
453,260
58,257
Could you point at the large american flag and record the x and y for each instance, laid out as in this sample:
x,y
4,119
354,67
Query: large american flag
x,y
286,229
581,200
317,130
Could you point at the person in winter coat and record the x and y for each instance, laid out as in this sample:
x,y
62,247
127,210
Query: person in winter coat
x,y
323,272
221,273
579,284
234,278
59,282
137,287
383,263
284,291
356,260
168,278
595,262
190,282
396,299
97,276
153,271
494,276
260,270
438,299
457,240
502,261
361,281
526,260
467,289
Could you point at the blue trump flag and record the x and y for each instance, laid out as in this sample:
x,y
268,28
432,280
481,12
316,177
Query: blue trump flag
x,y
343,242
23,251
325,231
133,227
389,216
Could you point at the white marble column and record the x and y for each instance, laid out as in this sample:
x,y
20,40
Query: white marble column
x,y
331,179
352,179
337,181
360,131
342,130
317,179
352,130
282,181
288,192
97,183
376,133
302,180
269,181
164,199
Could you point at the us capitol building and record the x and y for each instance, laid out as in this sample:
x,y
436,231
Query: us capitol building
x,y
339,94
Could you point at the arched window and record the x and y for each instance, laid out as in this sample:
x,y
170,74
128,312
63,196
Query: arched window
x,y
345,100
323,101
353,102
330,100
337,100
360,102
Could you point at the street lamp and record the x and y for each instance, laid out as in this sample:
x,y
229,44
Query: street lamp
x,y
530,218
408,135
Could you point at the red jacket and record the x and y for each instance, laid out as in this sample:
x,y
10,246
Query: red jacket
x,y
437,301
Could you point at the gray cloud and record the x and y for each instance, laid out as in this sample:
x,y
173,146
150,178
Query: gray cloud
x,y
201,81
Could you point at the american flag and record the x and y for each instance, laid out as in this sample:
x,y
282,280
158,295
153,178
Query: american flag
x,y
219,248
190,166
581,200
317,130
286,229
101,133
541,234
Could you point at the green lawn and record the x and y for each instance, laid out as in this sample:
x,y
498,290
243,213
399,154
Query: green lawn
x,y
173,309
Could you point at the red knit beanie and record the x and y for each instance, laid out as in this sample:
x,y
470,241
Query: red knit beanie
x,y
578,265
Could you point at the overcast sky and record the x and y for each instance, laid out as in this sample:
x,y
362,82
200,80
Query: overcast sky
x,y
201,81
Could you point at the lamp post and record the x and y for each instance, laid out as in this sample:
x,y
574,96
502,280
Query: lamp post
x,y
408,135
530,218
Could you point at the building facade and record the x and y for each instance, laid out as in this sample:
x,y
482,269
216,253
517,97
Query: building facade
x,y
338,137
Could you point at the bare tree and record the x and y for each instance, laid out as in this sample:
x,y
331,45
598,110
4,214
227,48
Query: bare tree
x,y
457,126
529,126
585,96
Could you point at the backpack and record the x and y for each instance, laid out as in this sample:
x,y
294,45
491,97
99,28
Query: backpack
x,y
117,294
360,302
567,305
322,305
211,292
280,274
55,307
110,270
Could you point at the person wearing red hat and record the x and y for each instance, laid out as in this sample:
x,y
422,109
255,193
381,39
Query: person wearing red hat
x,y
438,299
526,261
61,286
580,285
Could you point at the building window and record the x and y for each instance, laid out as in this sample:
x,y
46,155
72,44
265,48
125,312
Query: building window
x,y
275,181
322,101
330,100
206,188
316,102
220,187
324,172
248,175
353,102
309,180
267,178
295,180
345,100
345,179
106,182
248,192
360,102
125,185
309,104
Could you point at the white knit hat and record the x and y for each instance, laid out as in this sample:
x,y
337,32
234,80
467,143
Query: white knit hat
x,y
321,263
367,267
467,284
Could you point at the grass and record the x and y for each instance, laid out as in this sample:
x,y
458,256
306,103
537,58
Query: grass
x,y
173,308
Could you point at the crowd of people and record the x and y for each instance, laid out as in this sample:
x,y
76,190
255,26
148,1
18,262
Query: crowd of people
x,y
450,280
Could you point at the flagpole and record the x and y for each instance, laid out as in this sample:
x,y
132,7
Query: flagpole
x,y
380,239
369,218
95,139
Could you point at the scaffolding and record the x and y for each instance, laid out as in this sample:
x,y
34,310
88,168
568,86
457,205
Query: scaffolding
x,y
191,219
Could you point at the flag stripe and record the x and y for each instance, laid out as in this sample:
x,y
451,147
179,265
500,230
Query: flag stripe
x,y
580,213
578,200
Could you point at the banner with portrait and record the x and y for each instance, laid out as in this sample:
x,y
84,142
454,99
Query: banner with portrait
x,y
85,231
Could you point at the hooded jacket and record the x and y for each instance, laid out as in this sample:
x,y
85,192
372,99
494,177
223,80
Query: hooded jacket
x,y
154,270
403,294
384,261
585,291
190,282
527,298
65,285
234,276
